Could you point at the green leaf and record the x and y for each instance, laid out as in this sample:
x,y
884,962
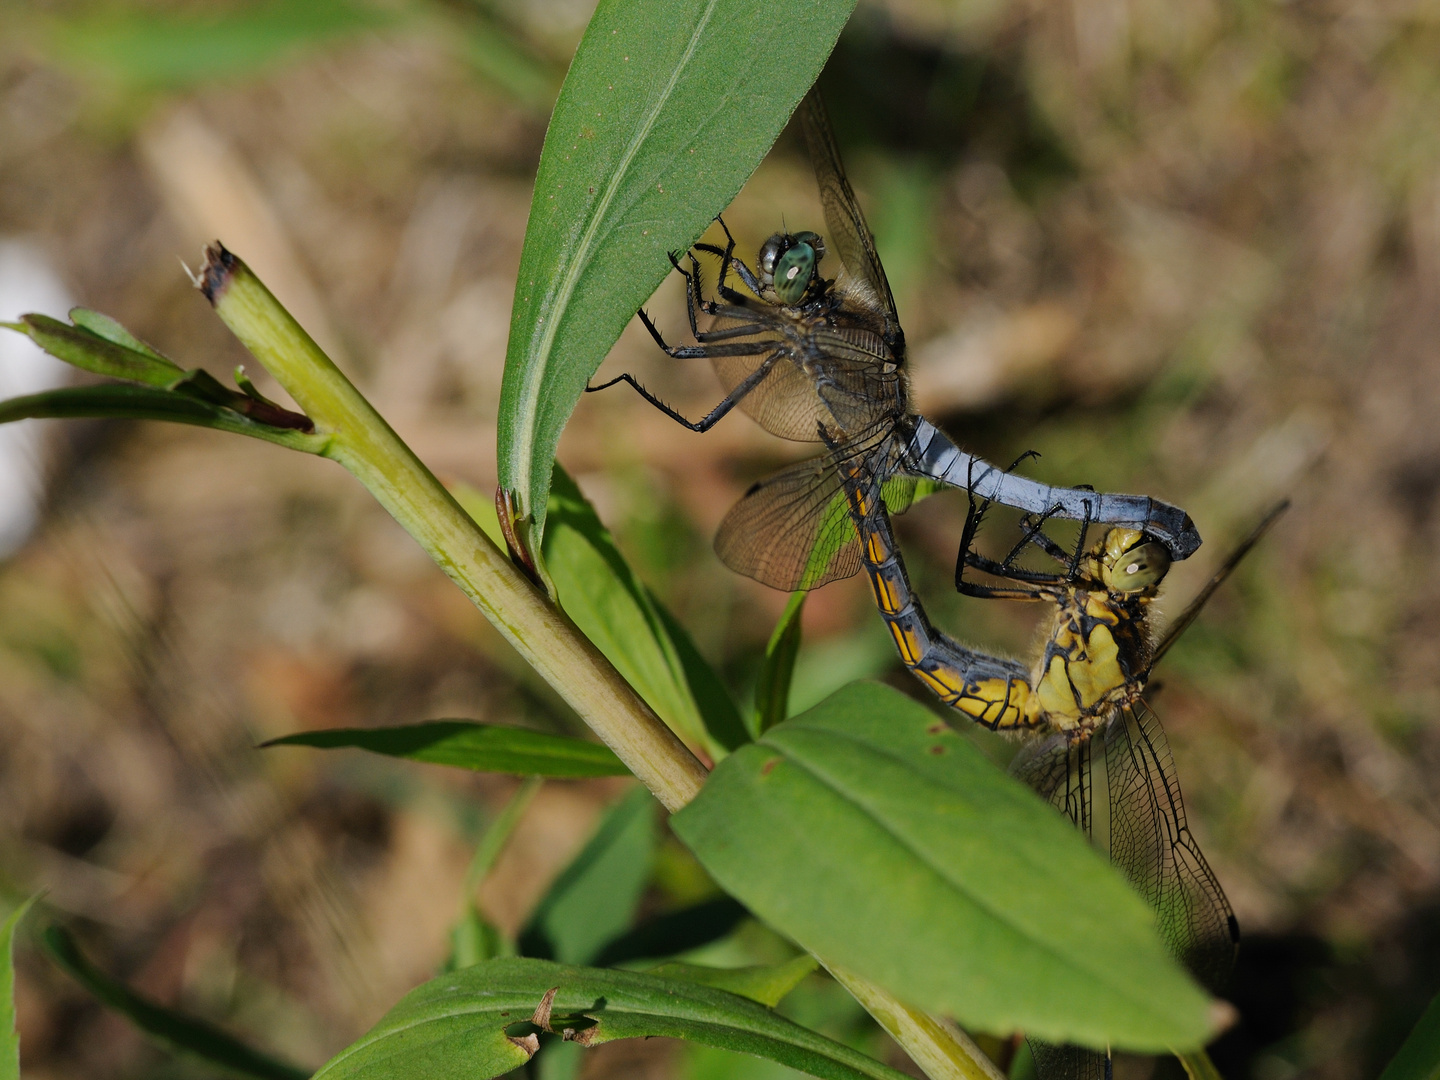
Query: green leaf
x,y
99,344
454,1027
772,686
467,745
124,402
474,938
875,836
594,898
1419,1057
766,983
667,108
171,1029
615,610
674,932
203,45
9,1036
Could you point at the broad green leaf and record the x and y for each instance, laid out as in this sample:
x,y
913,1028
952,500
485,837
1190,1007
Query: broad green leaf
x,y
9,1036
674,932
468,745
171,1029
667,108
454,1027
615,610
765,983
204,44
772,686
1419,1057
594,898
875,836
124,402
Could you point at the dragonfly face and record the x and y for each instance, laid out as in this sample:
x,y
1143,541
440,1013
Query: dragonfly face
x,y
787,265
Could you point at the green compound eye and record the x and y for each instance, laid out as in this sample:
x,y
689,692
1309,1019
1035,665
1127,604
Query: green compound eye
x,y
1139,568
793,271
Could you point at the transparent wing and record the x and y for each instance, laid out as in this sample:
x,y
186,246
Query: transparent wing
x,y
839,375
849,235
1069,1062
1058,769
1151,842
792,530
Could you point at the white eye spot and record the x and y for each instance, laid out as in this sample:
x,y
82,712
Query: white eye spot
x,y
791,275
1132,568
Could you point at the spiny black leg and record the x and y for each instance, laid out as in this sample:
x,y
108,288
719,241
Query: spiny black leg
x,y
973,516
679,352
1074,570
714,415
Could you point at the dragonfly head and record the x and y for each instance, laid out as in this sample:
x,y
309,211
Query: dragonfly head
x,y
787,264
1131,562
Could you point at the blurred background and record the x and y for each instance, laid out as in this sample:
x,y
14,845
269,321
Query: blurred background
x,y
1183,247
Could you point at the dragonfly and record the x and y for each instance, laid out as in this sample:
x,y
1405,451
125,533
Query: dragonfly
x,y
1091,740
816,359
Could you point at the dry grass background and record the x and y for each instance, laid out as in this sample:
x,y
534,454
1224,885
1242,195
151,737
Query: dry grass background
x,y
1179,246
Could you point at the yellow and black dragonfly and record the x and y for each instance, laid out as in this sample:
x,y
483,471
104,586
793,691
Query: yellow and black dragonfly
x,y
823,360
1093,744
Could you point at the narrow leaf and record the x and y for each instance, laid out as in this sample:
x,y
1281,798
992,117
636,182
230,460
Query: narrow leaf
x,y
171,1029
9,1036
875,836
674,932
121,401
99,344
110,330
455,1027
1419,1057
474,938
598,589
667,108
772,686
468,745
594,898
768,983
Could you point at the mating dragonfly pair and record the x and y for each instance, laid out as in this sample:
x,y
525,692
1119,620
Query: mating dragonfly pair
x,y
823,360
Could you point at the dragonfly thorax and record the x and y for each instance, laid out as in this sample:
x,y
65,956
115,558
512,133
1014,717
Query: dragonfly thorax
x,y
787,264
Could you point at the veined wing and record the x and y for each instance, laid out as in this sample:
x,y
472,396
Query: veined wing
x,y
1058,769
838,375
1151,842
793,529
849,236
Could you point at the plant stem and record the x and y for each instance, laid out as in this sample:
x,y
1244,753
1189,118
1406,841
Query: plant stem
x,y
1198,1065
937,1045
362,442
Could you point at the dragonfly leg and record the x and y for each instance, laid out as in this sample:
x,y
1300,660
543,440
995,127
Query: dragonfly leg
x,y
709,420
679,352
967,556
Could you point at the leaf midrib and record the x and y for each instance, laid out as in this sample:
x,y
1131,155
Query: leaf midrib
x,y
570,276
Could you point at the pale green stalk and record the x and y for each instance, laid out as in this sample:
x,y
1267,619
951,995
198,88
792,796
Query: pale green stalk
x,y
1199,1066
360,440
